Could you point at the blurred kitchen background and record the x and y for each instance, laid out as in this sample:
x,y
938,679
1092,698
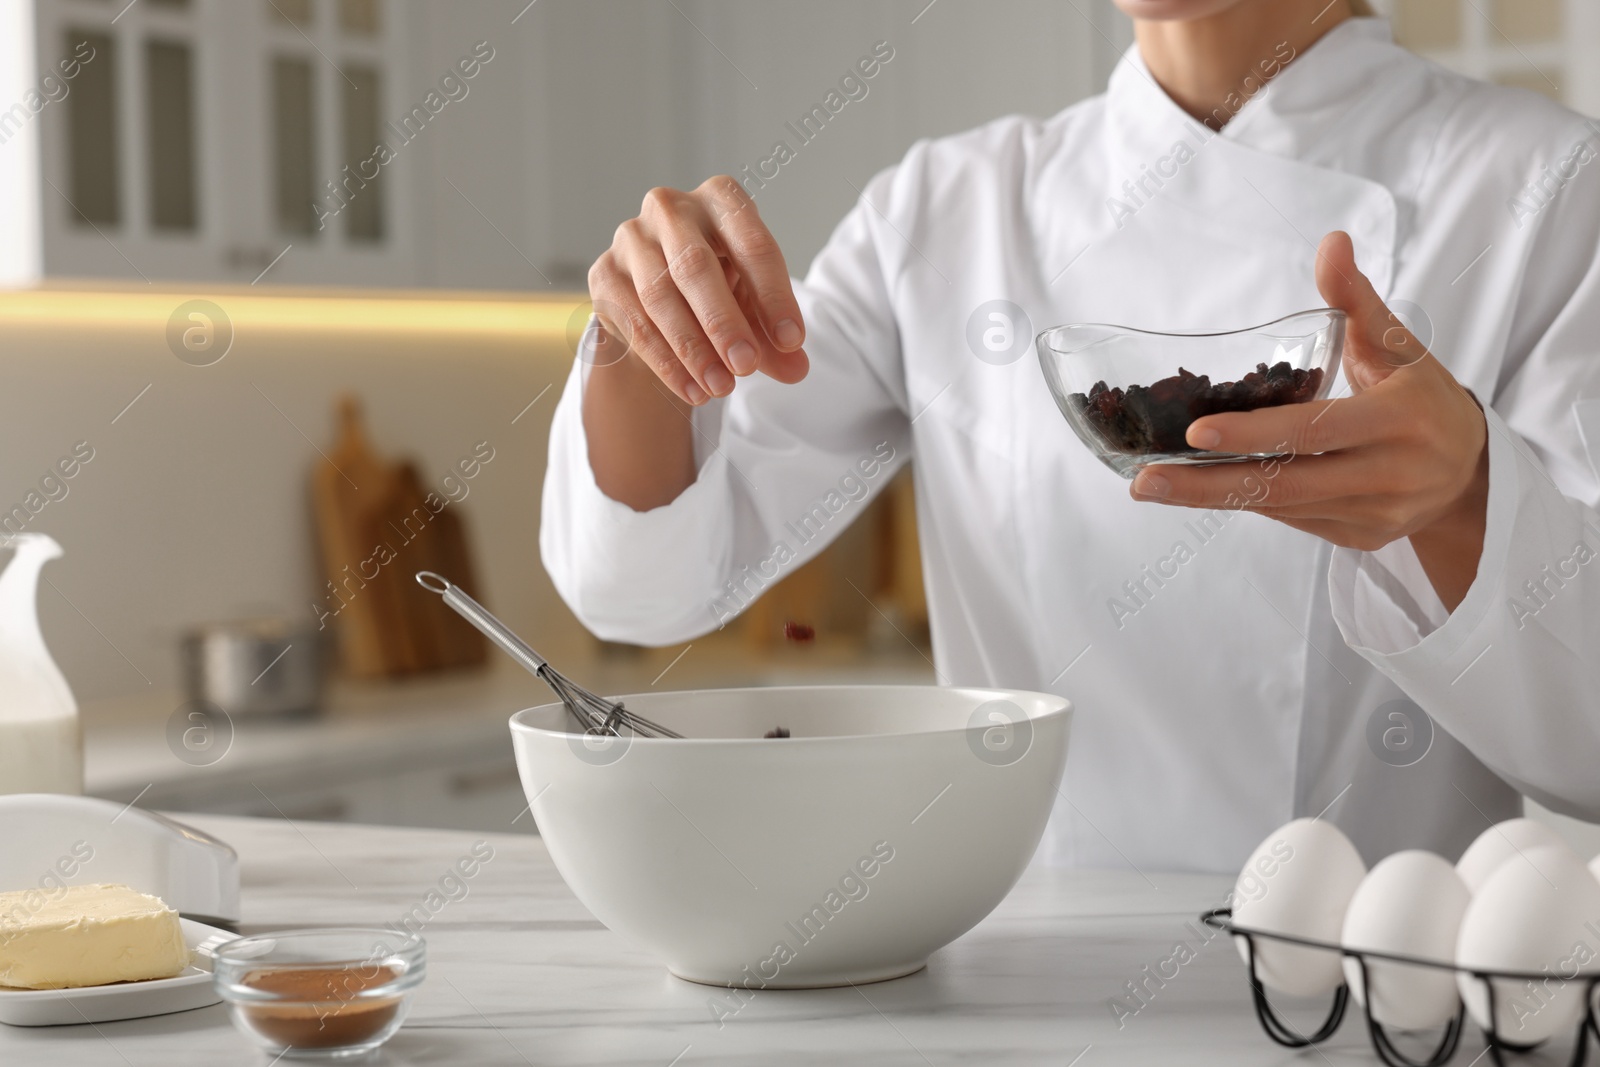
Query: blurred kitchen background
x,y
216,290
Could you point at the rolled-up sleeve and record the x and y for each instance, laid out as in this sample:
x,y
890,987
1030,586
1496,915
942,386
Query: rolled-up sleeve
x,y
783,469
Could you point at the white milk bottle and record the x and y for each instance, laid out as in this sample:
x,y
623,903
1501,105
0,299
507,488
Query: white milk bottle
x,y
41,745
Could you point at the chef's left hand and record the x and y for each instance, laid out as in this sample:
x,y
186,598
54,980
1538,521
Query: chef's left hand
x,y
1406,455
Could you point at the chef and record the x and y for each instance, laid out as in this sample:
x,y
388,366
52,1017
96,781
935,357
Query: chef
x,y
1397,628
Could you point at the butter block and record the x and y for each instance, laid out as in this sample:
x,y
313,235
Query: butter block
x,y
87,935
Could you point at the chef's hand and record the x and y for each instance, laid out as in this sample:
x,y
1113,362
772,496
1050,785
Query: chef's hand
x,y
1406,455
697,288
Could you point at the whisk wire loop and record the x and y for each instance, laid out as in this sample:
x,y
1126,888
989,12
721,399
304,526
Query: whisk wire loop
x,y
594,713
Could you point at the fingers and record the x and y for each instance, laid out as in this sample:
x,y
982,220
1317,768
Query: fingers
x,y
681,227
1376,341
1343,286
1332,497
756,254
1376,344
1296,429
671,316
1294,487
786,367
694,272
626,322
701,291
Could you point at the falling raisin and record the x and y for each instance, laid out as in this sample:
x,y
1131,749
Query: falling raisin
x,y
798,631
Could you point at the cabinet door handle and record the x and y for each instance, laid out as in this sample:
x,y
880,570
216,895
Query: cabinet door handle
x,y
468,783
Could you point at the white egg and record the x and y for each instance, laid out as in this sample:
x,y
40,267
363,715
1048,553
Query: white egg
x,y
1410,903
1499,843
1298,882
1538,912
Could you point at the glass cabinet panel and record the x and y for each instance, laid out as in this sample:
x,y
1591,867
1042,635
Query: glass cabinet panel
x,y
1428,23
294,145
1528,20
94,173
169,120
294,12
362,181
237,140
358,16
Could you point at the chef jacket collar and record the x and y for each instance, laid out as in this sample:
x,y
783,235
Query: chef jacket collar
x,y
1322,96
1324,92
1308,98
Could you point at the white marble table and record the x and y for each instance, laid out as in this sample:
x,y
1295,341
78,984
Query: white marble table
x,y
520,973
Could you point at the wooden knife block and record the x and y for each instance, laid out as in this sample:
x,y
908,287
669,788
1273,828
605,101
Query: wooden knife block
x,y
378,525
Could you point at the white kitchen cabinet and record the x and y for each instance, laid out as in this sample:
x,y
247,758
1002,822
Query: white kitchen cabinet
x,y
471,787
195,168
205,140
432,751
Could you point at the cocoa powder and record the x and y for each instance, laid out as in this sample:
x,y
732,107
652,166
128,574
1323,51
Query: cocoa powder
x,y
320,1006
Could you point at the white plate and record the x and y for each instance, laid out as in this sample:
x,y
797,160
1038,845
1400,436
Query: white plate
x,y
123,1000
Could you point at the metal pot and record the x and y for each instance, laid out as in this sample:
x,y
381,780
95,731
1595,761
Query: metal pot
x,y
255,666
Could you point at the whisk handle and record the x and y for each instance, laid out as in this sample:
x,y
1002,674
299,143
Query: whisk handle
x,y
479,616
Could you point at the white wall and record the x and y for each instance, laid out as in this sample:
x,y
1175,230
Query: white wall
x,y
196,505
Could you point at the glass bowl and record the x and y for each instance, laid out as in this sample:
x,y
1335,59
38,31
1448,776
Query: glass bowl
x,y
1130,394
320,994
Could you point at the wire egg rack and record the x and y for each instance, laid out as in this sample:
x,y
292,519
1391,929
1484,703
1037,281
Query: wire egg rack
x,y
1382,1042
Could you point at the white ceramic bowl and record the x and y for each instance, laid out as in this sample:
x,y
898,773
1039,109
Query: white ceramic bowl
x,y
890,822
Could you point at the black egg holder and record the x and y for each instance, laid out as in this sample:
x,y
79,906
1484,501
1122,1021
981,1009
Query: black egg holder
x,y
1288,1036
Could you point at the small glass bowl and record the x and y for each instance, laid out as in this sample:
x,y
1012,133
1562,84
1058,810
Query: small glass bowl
x,y
320,994
1130,394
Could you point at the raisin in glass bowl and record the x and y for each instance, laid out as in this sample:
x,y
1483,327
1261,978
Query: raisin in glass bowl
x,y
1130,394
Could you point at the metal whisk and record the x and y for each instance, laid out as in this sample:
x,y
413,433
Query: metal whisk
x,y
594,713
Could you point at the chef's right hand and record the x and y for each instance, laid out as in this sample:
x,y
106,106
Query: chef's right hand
x,y
696,288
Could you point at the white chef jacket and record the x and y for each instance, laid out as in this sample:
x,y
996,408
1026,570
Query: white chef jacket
x,y
1241,688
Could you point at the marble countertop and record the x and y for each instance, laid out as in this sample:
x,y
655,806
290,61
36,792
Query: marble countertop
x,y
520,973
